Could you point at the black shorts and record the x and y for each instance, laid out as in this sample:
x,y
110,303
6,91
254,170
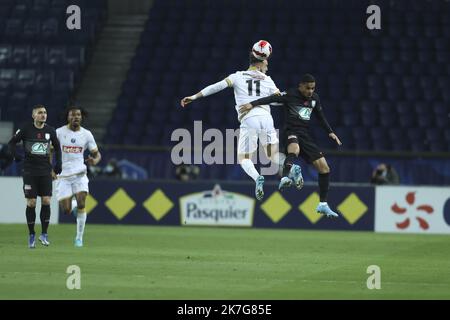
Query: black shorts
x,y
309,150
34,186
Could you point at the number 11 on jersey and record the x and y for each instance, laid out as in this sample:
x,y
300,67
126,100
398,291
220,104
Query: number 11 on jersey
x,y
250,87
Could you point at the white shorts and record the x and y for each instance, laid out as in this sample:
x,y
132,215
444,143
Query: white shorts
x,y
67,187
254,128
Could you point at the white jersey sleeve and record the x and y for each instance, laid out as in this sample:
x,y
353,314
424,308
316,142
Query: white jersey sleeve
x,y
214,88
231,79
219,86
90,141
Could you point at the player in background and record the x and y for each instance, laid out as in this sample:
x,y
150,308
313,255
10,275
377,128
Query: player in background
x,y
258,122
73,180
37,138
300,103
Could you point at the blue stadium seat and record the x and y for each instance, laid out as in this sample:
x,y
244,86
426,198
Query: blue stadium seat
x,y
25,79
31,30
447,134
20,11
381,144
400,145
49,29
5,55
20,56
434,134
394,79
13,29
44,81
7,78
396,134
63,81
56,56
369,119
425,120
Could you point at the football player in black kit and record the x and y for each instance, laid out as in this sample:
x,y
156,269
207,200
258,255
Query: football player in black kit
x,y
301,102
37,138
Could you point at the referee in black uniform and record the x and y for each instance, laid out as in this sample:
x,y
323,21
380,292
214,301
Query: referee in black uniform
x,y
301,102
37,138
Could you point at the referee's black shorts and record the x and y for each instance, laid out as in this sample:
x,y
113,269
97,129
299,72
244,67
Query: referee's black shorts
x,y
34,186
309,150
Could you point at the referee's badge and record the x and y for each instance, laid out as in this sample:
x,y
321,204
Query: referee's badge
x,y
47,136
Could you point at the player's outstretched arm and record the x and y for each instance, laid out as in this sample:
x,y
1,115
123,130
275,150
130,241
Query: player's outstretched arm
x,y
275,98
209,90
187,100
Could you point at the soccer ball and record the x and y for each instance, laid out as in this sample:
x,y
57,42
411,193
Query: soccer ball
x,y
262,50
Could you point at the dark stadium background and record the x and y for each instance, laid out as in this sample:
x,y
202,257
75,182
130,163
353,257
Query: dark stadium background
x,y
386,92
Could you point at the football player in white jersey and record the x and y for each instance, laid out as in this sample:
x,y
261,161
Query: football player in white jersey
x,y
256,123
73,180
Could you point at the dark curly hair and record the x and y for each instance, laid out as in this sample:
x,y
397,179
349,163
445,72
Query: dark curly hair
x,y
84,113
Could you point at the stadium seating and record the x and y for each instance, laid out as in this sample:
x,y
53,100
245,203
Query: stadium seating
x,y
383,90
366,78
41,61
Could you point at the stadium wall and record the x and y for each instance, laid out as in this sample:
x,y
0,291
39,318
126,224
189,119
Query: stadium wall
x,y
362,207
224,204
13,202
401,209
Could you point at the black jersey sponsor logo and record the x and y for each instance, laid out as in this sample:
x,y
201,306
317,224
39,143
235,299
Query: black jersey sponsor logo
x,y
39,148
305,113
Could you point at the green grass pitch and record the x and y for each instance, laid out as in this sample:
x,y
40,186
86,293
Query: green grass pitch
x,y
145,262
